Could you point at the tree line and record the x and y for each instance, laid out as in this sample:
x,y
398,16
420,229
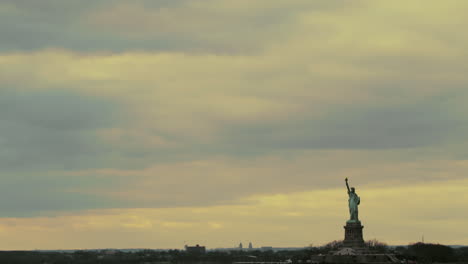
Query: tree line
x,y
418,252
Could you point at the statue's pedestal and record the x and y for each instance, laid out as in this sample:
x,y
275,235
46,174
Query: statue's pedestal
x,y
353,235
354,250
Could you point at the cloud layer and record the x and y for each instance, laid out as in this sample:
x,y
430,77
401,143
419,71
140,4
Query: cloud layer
x,y
161,107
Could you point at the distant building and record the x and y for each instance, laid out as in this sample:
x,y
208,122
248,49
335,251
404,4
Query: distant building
x,y
240,246
196,249
250,246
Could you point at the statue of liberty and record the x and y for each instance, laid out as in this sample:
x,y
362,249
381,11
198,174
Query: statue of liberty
x,y
353,202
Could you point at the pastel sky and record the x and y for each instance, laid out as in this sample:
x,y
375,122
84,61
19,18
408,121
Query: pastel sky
x,y
155,124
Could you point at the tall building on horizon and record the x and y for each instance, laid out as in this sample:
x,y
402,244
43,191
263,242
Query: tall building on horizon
x,y
250,246
240,245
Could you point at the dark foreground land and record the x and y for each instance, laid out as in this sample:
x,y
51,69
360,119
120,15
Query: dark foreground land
x,y
415,253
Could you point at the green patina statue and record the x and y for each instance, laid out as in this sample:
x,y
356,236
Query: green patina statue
x,y
353,201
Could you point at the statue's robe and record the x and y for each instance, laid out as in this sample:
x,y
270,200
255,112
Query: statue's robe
x,y
353,201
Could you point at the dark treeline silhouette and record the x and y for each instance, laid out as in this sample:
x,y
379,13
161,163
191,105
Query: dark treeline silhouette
x,y
432,253
374,245
422,253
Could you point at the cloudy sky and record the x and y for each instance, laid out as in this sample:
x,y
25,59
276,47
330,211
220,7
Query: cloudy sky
x,y
155,124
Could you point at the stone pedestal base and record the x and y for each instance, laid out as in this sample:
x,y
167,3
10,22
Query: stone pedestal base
x,y
359,258
354,250
353,235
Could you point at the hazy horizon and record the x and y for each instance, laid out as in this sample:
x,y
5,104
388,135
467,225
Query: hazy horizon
x,y
234,248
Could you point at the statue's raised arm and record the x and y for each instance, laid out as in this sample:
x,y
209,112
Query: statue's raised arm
x,y
347,186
